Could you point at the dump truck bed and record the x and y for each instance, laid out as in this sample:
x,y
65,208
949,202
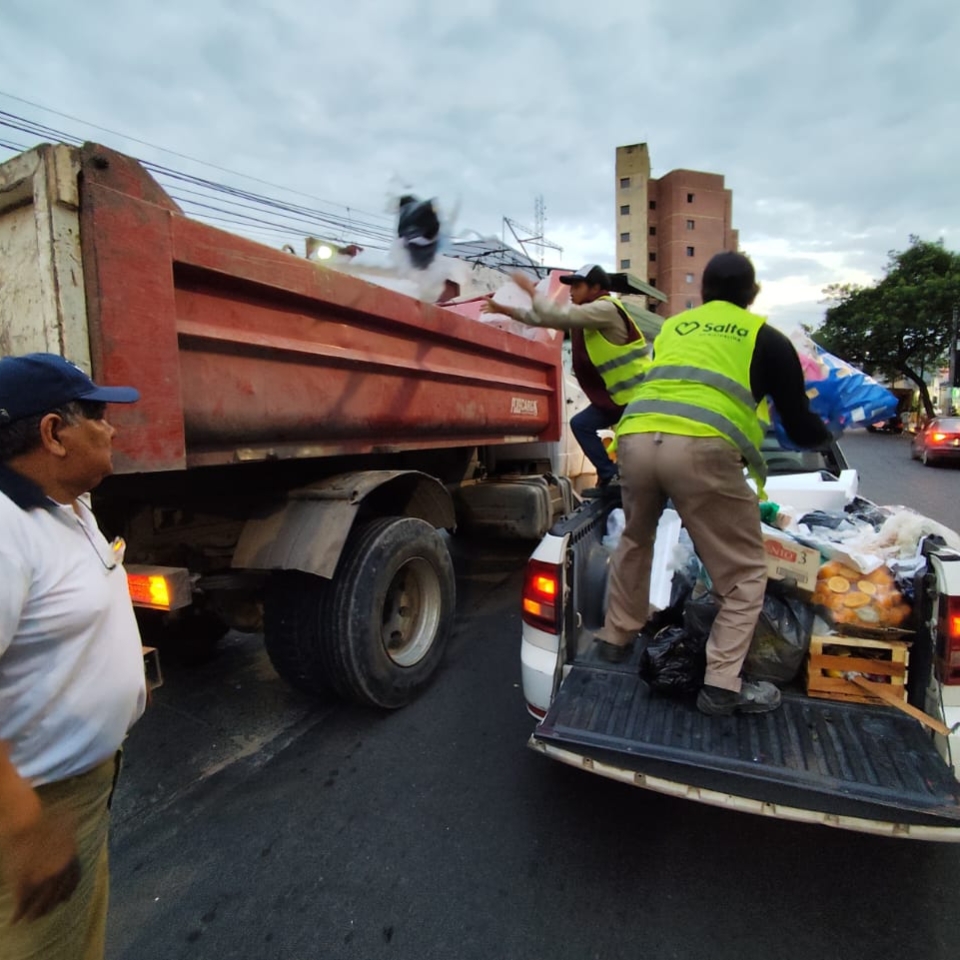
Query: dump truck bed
x,y
242,352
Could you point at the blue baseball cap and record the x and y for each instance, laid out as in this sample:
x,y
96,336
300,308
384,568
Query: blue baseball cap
x,y
40,382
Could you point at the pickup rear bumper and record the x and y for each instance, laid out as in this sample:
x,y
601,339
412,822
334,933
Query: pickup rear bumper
x,y
848,765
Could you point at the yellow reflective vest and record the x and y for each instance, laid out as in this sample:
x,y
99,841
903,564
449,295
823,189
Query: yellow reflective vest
x,y
622,367
699,382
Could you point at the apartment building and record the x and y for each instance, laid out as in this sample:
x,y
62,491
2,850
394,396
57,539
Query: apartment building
x,y
669,227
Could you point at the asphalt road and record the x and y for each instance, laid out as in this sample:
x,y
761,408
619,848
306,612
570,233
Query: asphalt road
x,y
255,824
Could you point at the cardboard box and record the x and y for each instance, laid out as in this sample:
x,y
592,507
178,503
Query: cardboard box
x,y
789,560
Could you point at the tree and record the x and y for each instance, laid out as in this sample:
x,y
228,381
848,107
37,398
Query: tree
x,y
901,326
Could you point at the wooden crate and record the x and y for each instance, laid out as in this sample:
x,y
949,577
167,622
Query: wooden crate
x,y
825,656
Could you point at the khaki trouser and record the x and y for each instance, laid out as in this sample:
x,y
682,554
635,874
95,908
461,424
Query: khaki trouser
x,y
703,476
75,929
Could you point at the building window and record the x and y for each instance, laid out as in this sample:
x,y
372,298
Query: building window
x,y
689,224
690,251
689,198
653,258
625,210
624,183
624,264
624,237
689,304
653,281
653,204
689,278
653,231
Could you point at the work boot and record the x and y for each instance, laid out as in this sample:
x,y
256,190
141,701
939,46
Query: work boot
x,y
605,487
754,696
613,652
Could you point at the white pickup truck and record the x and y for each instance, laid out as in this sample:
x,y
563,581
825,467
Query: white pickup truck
x,y
867,767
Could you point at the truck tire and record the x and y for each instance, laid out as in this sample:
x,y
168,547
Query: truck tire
x,y
291,629
389,613
376,633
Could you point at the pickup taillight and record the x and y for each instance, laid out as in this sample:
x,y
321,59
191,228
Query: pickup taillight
x,y
542,588
948,640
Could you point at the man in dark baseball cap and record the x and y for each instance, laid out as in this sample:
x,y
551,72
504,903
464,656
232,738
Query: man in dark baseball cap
x,y
592,274
39,382
609,353
71,665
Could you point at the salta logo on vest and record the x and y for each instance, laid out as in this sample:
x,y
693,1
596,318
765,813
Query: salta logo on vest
x,y
685,327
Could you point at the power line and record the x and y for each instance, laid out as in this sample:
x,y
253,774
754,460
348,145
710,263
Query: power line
x,y
174,153
250,213
224,203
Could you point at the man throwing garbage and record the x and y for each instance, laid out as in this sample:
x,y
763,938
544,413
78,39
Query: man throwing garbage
x,y
610,354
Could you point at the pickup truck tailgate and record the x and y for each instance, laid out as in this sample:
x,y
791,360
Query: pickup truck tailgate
x,y
838,759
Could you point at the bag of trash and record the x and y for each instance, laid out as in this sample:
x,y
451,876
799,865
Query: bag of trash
x,y
673,662
418,228
849,596
615,524
840,394
781,639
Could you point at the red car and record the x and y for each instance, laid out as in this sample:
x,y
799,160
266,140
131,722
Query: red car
x,y
938,441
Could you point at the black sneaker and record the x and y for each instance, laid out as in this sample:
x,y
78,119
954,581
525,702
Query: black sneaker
x,y
613,652
603,488
755,696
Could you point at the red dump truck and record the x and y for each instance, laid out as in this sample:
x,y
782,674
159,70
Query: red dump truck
x,y
303,436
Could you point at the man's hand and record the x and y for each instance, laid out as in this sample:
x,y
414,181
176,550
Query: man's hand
x,y
40,866
491,306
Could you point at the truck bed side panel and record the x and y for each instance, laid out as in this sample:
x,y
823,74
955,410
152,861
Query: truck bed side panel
x,y
245,352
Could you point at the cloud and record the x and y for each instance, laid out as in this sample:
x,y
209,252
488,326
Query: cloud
x,y
835,125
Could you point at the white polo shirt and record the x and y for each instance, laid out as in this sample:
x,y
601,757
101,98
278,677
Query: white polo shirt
x,y
71,665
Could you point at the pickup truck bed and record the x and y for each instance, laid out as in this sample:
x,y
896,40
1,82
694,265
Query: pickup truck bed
x,y
868,768
841,759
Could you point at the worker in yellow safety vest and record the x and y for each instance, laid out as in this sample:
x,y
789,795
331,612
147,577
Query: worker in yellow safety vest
x,y
687,434
610,354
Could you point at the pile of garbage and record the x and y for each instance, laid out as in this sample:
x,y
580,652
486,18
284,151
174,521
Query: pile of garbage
x,y
868,558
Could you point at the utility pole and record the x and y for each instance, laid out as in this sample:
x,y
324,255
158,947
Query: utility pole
x,y
539,221
954,363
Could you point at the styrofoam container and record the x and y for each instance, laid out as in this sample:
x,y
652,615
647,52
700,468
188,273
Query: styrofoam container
x,y
812,491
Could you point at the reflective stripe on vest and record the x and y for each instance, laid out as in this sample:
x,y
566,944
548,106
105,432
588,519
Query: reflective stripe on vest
x,y
719,422
701,377
621,366
709,377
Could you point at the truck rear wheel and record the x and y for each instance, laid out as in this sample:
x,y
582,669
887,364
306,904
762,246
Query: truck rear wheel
x,y
377,632
291,629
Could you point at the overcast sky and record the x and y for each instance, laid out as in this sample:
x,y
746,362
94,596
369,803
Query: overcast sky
x,y
835,122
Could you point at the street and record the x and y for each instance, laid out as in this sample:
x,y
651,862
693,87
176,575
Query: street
x,y
253,823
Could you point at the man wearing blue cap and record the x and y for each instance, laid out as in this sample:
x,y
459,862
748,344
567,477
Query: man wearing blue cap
x,y
71,669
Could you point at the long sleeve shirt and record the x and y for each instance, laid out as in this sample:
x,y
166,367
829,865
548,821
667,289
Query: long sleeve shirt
x,y
775,372
597,315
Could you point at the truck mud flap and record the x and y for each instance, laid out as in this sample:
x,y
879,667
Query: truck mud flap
x,y
840,759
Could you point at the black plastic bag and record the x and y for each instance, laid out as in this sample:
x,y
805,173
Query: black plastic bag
x,y
418,227
673,662
781,638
